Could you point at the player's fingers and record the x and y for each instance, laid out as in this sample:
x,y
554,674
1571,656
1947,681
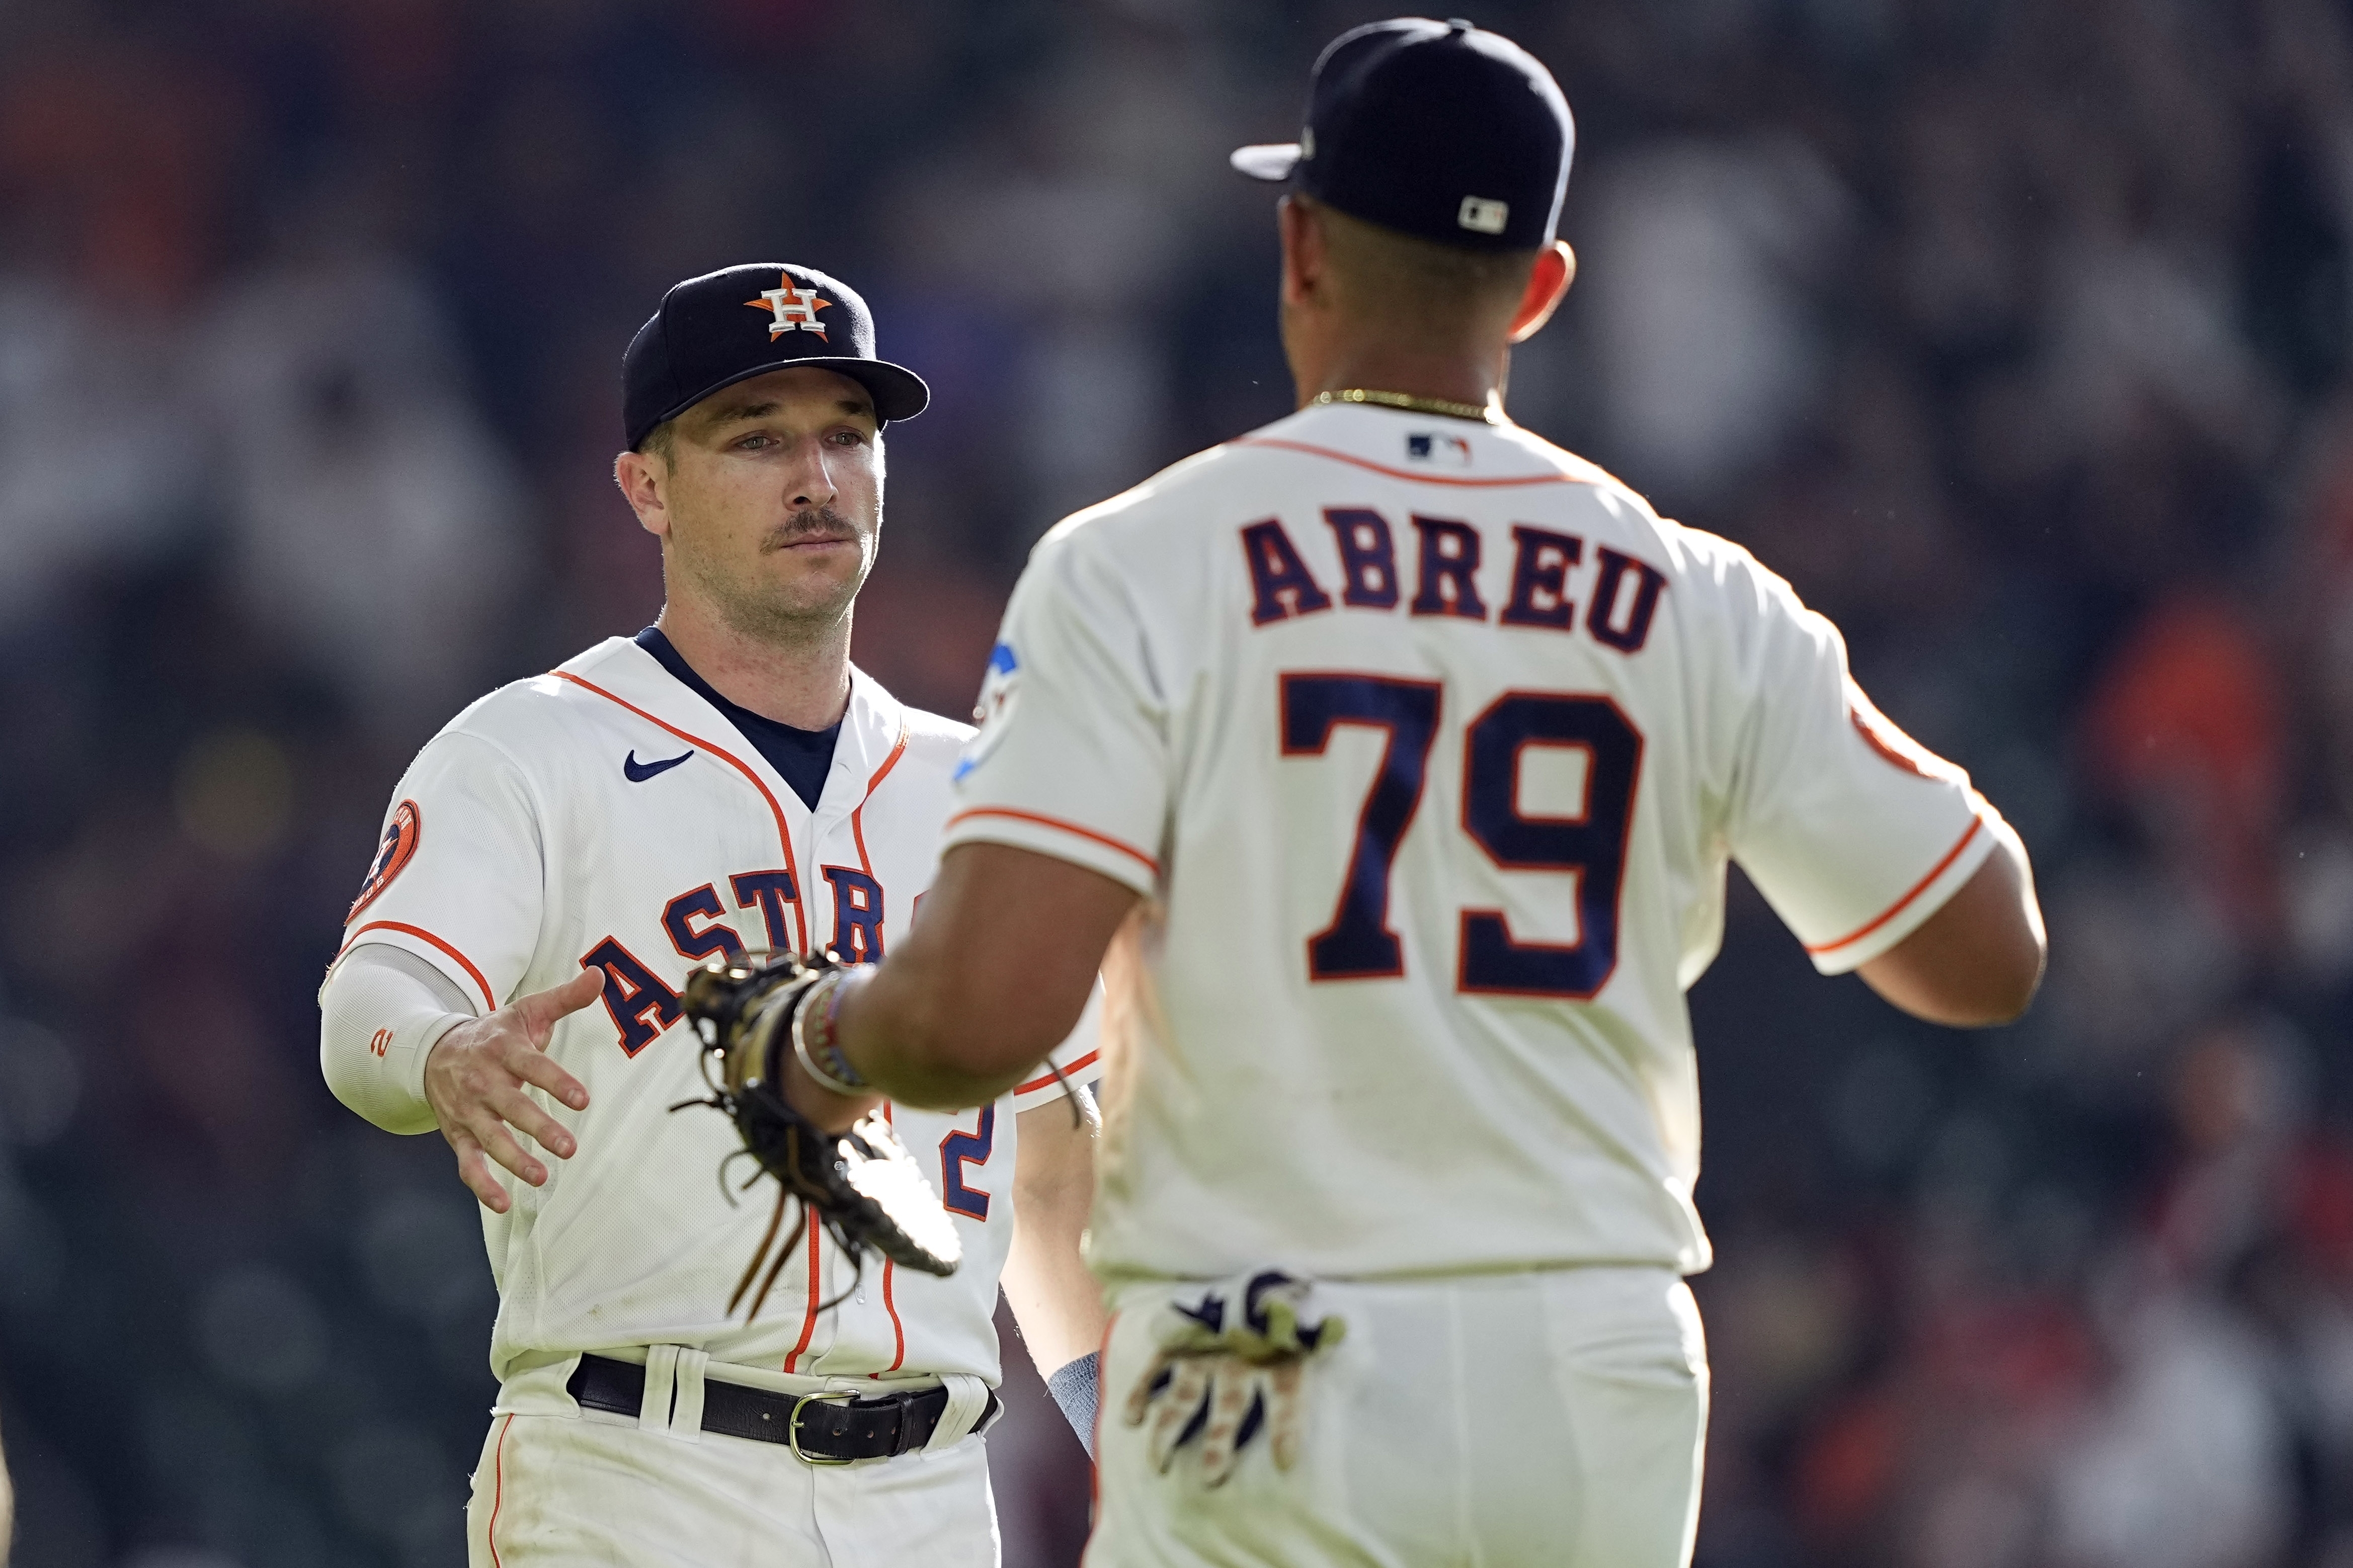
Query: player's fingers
x,y
541,1009
1139,1398
1283,1414
1186,1392
474,1170
500,1145
1230,1401
520,1112
537,1066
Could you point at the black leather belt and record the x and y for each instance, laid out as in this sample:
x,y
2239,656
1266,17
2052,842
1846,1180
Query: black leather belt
x,y
823,1429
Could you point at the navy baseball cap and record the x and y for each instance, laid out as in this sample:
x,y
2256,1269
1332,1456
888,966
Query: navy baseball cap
x,y
742,321
1434,128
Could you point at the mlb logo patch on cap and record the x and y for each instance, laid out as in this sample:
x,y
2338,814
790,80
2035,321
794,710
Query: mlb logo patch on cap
x,y
1436,129
1483,216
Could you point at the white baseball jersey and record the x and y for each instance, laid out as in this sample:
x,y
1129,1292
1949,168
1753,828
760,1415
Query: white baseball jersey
x,y
605,814
1431,742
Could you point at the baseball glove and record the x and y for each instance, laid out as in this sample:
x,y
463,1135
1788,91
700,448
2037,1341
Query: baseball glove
x,y
861,1185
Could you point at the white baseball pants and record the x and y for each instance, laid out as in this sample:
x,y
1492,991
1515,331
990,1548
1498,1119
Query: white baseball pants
x,y
1501,1421
600,1488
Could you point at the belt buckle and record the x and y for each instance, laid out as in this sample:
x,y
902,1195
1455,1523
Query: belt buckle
x,y
792,1429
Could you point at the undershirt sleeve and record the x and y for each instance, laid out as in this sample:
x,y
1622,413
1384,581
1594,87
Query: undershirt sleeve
x,y
381,1012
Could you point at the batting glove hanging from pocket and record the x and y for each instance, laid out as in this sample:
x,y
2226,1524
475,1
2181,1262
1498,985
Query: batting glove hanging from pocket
x,y
1221,1384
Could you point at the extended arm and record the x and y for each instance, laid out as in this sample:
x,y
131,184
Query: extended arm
x,y
1054,1299
395,1046
992,978
1977,961
380,1014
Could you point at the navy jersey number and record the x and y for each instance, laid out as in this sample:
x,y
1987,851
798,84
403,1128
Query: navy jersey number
x,y
1359,944
958,1149
1592,844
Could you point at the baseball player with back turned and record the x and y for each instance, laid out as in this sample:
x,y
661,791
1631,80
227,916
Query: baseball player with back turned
x,y
558,858
1397,757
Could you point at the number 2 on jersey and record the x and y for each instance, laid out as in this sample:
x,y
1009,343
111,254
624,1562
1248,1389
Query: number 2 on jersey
x,y
1359,944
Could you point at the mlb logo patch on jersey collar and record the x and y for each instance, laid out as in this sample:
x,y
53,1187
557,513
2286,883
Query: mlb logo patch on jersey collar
x,y
1438,450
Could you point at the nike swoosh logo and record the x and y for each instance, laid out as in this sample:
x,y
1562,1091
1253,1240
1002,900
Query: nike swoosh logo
x,y
640,772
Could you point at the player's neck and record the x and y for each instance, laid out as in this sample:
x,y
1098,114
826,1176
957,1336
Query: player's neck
x,y
802,683
1465,375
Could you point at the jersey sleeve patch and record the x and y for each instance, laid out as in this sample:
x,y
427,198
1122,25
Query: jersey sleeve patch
x,y
997,691
393,854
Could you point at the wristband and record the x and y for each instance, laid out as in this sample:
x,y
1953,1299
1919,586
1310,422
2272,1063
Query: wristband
x,y
1077,1387
814,1046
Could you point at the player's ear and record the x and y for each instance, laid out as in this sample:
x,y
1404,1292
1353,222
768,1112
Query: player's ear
x,y
1302,250
639,476
1555,270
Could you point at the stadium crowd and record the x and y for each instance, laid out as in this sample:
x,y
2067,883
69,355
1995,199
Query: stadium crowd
x,y
2017,335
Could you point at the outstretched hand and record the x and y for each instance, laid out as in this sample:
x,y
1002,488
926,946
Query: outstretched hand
x,y
474,1080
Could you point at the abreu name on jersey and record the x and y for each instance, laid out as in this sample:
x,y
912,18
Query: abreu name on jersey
x,y
1621,599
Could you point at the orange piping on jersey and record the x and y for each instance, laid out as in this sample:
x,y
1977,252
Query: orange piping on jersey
x,y
857,827
408,832
898,1329
1104,840
1898,906
815,1238
1596,477
784,833
1043,1080
489,1001
498,1491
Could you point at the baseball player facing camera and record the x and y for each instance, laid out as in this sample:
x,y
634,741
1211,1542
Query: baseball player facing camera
x,y
1395,757
554,866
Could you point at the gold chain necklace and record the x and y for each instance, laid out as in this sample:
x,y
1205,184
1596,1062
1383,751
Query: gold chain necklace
x,y
1489,414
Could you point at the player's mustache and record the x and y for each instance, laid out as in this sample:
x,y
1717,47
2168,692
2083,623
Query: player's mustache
x,y
808,525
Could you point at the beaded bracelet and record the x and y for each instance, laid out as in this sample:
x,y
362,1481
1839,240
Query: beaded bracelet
x,y
821,1057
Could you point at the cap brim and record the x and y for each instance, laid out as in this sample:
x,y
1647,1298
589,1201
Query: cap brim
x,y
898,393
1268,160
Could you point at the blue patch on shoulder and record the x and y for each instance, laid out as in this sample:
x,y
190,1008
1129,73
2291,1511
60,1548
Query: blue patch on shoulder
x,y
996,699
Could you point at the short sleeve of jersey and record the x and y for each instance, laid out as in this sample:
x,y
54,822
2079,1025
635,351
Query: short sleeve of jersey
x,y
1079,1058
1854,832
1070,758
458,878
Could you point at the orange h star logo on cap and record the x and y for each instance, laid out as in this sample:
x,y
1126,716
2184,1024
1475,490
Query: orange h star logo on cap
x,y
794,309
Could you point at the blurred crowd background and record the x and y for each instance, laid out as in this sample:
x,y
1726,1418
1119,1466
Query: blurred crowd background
x,y
2015,333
